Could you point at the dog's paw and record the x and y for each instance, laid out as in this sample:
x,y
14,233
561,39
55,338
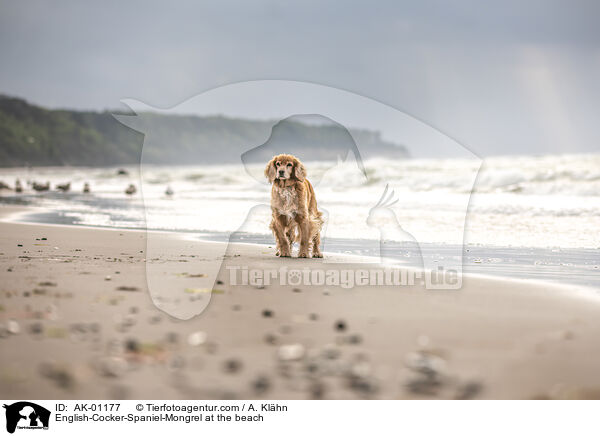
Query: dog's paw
x,y
285,255
303,255
318,255
277,253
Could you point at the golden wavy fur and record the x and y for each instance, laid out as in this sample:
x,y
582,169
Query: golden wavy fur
x,y
295,217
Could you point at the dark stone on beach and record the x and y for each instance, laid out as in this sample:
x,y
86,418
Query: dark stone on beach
x,y
271,339
128,288
261,384
119,392
331,352
44,239
354,339
211,347
364,386
19,245
46,284
61,376
132,345
155,319
426,364
296,290
313,317
267,313
312,368
63,379
340,325
468,390
219,282
232,366
78,327
176,363
36,328
45,369
172,337
26,294
424,385
317,390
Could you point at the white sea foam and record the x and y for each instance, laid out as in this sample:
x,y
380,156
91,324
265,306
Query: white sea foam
x,y
522,201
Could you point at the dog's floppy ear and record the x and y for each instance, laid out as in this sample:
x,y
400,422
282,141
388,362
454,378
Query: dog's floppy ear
x,y
299,170
270,170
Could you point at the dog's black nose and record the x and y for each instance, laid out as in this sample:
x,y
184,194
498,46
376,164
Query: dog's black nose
x,y
281,173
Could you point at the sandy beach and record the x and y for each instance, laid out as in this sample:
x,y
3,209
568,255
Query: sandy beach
x,y
77,321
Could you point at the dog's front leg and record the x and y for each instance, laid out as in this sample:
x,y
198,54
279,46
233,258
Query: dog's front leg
x,y
304,230
279,228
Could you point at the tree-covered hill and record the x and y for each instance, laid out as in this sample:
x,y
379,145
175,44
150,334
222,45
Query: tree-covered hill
x,y
32,135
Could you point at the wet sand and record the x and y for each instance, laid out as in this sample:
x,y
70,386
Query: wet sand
x,y
77,321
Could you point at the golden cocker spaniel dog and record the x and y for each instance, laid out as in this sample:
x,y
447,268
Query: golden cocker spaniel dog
x,y
295,217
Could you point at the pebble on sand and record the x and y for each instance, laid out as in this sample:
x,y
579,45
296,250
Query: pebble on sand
x,y
132,345
60,375
131,189
112,366
232,365
290,352
172,337
155,319
354,339
317,390
197,338
261,384
271,339
36,328
13,327
128,288
340,325
468,390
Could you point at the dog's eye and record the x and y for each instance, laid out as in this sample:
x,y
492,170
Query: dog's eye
x,y
289,165
278,163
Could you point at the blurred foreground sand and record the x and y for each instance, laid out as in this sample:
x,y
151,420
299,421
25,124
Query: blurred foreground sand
x,y
77,321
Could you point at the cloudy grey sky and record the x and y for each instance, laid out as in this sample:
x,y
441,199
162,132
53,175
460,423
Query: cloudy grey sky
x,y
500,77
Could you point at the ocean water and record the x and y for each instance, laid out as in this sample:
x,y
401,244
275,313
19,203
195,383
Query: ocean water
x,y
523,216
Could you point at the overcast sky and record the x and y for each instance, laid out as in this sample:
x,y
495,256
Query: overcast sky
x,y
500,77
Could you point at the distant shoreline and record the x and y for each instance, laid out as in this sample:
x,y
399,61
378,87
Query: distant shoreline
x,y
525,257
